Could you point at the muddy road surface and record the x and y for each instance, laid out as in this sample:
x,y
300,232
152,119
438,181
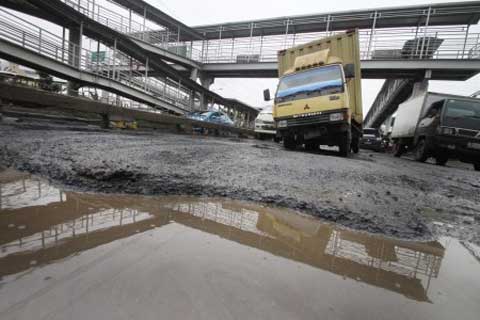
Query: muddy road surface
x,y
75,255
370,192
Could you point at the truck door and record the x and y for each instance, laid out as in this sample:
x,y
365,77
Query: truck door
x,y
428,125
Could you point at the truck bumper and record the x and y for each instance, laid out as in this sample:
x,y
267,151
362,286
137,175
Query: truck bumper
x,y
464,149
376,145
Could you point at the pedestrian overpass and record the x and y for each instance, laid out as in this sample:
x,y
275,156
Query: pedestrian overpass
x,y
152,58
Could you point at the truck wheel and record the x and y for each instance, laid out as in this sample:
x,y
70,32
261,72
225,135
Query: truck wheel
x,y
477,166
398,149
289,143
441,160
421,151
355,145
345,145
312,146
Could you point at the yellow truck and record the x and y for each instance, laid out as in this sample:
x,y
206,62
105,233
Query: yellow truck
x,y
319,96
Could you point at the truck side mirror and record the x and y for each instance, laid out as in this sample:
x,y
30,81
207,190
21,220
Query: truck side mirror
x,y
349,70
266,95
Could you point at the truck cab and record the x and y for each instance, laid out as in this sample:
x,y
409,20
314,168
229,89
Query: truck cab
x,y
318,97
450,129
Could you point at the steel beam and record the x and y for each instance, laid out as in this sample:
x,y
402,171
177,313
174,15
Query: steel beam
x,y
454,13
371,69
166,55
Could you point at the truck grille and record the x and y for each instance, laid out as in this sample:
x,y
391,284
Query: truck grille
x,y
302,121
467,133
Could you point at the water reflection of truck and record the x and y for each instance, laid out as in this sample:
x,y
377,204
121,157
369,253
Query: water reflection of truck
x,y
318,99
440,126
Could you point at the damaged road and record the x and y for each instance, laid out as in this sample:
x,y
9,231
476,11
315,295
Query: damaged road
x,y
370,192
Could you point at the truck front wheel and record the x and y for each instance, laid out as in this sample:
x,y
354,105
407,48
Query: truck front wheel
x,y
345,144
312,146
398,149
421,151
441,160
355,145
289,143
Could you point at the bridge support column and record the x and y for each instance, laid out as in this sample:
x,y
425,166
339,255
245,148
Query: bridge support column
x,y
194,74
203,102
1,110
74,55
105,121
247,120
206,81
420,87
192,99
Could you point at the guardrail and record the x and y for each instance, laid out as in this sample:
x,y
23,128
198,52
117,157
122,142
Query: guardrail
x,y
382,44
17,91
423,42
129,23
29,36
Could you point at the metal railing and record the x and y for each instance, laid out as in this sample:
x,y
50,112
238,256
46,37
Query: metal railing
x,y
129,24
29,36
383,44
423,42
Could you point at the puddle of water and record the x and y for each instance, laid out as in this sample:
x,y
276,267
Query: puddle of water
x,y
76,256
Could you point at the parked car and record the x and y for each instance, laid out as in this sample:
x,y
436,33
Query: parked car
x,y
265,125
372,140
213,117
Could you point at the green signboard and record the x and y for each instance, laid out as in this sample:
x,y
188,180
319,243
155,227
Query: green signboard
x,y
98,56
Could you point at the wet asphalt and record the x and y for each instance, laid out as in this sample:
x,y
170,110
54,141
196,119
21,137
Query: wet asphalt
x,y
371,192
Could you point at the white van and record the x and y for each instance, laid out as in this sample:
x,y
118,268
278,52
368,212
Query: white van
x,y
264,124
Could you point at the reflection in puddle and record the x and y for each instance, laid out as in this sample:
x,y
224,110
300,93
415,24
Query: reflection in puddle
x,y
40,225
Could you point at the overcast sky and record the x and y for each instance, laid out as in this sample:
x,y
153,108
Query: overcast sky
x,y
250,90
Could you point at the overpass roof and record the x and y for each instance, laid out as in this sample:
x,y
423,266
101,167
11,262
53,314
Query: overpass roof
x,y
455,13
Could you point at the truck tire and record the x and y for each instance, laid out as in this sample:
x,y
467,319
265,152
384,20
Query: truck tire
x,y
355,145
289,143
441,160
398,149
312,146
345,144
476,166
421,151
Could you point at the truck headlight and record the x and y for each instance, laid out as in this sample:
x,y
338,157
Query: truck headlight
x,y
336,116
448,131
282,124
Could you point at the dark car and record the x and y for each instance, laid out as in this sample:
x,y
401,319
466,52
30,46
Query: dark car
x,y
372,140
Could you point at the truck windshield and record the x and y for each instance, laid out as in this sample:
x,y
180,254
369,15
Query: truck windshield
x,y
462,114
372,132
320,81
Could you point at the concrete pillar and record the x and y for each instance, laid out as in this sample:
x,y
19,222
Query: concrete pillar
x,y
105,121
194,74
206,81
420,87
1,110
74,55
192,99
203,102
